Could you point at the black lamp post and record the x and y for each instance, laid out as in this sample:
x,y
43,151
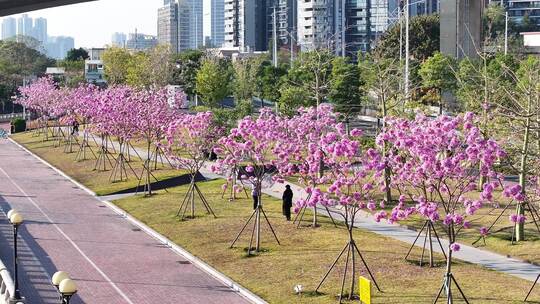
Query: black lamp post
x,y
67,289
57,278
16,220
65,286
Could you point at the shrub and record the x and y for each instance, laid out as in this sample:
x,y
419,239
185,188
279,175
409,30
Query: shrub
x,y
19,125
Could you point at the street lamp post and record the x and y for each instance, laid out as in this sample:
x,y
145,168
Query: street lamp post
x,y
67,289
58,277
65,286
407,49
16,220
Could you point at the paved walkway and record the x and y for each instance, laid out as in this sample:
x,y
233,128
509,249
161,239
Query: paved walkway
x,y
111,260
469,254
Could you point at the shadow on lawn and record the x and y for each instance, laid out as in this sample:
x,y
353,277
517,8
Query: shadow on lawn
x,y
184,179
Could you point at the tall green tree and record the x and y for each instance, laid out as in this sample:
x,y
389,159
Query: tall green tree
x,y
310,76
160,66
345,87
185,71
213,81
383,79
116,62
423,44
245,79
17,62
437,72
77,55
522,113
269,78
137,70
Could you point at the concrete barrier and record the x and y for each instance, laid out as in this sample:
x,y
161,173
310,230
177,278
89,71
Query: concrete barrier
x,y
7,287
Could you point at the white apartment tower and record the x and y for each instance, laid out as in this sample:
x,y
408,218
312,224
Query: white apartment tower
x,y
9,28
40,30
167,27
25,26
316,28
246,25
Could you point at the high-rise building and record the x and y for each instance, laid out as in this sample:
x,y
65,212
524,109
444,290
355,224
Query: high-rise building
x,y
184,34
40,30
357,28
247,24
316,28
118,39
141,42
517,10
9,28
57,47
190,24
25,26
167,27
217,22
287,20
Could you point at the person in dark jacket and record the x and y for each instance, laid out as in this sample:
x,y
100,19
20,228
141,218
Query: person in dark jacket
x,y
255,194
287,202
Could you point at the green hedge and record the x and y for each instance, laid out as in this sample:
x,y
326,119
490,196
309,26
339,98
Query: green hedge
x,y
19,125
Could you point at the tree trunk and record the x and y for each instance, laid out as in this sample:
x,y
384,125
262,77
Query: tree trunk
x,y
387,173
148,169
520,227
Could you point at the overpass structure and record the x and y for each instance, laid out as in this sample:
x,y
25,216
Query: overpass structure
x,y
10,7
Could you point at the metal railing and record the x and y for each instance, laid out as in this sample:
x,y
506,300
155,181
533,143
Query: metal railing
x,y
10,116
7,287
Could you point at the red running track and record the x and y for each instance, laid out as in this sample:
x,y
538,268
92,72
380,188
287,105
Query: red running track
x,y
67,229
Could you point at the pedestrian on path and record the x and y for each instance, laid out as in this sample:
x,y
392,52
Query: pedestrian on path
x,y
287,202
255,194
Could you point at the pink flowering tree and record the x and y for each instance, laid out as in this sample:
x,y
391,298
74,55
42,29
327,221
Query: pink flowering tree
x,y
100,121
189,140
120,122
85,99
436,165
39,98
354,177
153,114
300,154
252,144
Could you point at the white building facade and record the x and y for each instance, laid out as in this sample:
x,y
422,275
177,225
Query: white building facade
x,y
167,27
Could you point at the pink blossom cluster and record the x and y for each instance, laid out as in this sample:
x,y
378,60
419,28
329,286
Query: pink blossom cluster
x,y
437,164
190,139
251,144
120,111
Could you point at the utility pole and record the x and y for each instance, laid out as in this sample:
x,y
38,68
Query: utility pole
x,y
506,33
343,25
407,55
274,33
292,46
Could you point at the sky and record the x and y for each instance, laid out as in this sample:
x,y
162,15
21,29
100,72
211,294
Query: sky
x,y
93,23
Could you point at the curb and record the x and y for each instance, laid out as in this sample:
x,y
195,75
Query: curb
x,y
244,292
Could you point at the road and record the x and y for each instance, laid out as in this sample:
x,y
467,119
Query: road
x,y
68,229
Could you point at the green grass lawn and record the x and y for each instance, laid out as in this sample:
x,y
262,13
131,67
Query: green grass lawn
x,y
499,239
304,254
82,171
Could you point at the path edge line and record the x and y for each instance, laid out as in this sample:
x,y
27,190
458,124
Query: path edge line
x,y
222,278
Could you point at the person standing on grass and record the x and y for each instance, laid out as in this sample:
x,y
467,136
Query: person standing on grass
x,y
287,202
255,194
